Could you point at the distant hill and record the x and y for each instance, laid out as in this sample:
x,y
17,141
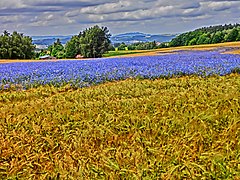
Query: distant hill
x,y
133,37
45,41
127,38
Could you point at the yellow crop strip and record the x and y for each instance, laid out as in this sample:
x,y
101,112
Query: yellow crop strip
x,y
179,128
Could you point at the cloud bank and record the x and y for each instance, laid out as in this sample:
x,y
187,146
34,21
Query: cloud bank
x,y
45,17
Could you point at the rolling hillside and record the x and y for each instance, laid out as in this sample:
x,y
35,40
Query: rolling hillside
x,y
127,38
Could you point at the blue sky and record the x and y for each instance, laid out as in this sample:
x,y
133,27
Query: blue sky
x,y
67,17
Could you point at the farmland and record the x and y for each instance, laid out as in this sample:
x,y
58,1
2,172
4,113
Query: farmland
x,y
95,71
169,116
227,45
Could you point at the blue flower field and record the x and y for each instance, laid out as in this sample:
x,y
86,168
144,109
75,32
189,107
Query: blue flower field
x,y
95,71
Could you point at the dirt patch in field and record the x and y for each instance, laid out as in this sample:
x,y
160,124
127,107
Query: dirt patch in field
x,y
235,52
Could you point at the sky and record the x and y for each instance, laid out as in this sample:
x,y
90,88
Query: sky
x,y
69,17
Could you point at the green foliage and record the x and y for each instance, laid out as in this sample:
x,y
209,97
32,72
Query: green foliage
x,y
122,47
72,47
178,41
123,52
94,42
16,46
180,128
232,35
217,37
204,39
145,46
192,42
138,46
208,35
57,50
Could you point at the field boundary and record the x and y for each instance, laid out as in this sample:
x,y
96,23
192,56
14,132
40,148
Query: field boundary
x,y
232,48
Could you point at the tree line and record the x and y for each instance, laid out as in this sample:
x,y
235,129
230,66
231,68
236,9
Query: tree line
x,y
136,46
208,35
95,41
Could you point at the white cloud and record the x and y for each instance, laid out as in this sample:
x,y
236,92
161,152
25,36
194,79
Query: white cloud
x,y
11,3
220,6
69,16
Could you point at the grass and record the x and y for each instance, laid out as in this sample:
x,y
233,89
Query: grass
x,y
180,128
128,52
174,49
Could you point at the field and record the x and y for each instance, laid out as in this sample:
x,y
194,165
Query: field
x,y
168,116
77,74
163,51
185,127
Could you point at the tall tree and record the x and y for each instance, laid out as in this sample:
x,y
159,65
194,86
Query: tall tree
x,y
72,47
16,46
57,49
94,41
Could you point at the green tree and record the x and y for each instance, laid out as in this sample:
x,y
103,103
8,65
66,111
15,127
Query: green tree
x,y
57,49
232,36
94,41
192,42
204,39
218,37
72,48
16,46
122,46
4,45
238,38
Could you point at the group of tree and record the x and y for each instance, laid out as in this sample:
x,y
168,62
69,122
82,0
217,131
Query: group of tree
x,y
137,46
208,35
57,50
91,43
16,46
95,41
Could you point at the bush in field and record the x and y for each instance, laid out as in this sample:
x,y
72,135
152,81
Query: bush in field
x,y
16,46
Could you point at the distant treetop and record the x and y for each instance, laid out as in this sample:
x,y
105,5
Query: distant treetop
x,y
208,35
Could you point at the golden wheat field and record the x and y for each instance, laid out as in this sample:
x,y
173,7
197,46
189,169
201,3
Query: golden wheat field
x,y
179,128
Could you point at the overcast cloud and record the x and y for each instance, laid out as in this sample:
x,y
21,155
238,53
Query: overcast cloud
x,y
64,17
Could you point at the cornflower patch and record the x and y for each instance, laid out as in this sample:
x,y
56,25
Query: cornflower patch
x,y
91,72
